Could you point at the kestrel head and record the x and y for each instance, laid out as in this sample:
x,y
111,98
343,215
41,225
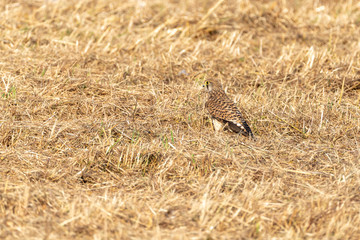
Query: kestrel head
x,y
210,85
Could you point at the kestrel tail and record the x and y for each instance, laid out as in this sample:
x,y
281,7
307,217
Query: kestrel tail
x,y
224,111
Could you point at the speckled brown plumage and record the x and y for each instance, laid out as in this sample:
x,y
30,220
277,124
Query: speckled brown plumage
x,y
224,110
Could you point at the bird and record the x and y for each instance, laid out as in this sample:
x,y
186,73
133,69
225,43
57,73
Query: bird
x,y
223,111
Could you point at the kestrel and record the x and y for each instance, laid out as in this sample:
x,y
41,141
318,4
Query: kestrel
x,y
223,111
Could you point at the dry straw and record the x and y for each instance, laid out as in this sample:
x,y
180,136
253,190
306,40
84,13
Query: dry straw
x,y
103,133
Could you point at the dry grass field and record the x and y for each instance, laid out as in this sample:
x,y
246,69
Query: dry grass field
x,y
104,135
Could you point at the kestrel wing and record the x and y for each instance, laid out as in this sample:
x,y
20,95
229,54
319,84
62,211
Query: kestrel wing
x,y
222,108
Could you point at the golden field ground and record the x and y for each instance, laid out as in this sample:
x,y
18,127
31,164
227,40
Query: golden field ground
x,y
103,132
